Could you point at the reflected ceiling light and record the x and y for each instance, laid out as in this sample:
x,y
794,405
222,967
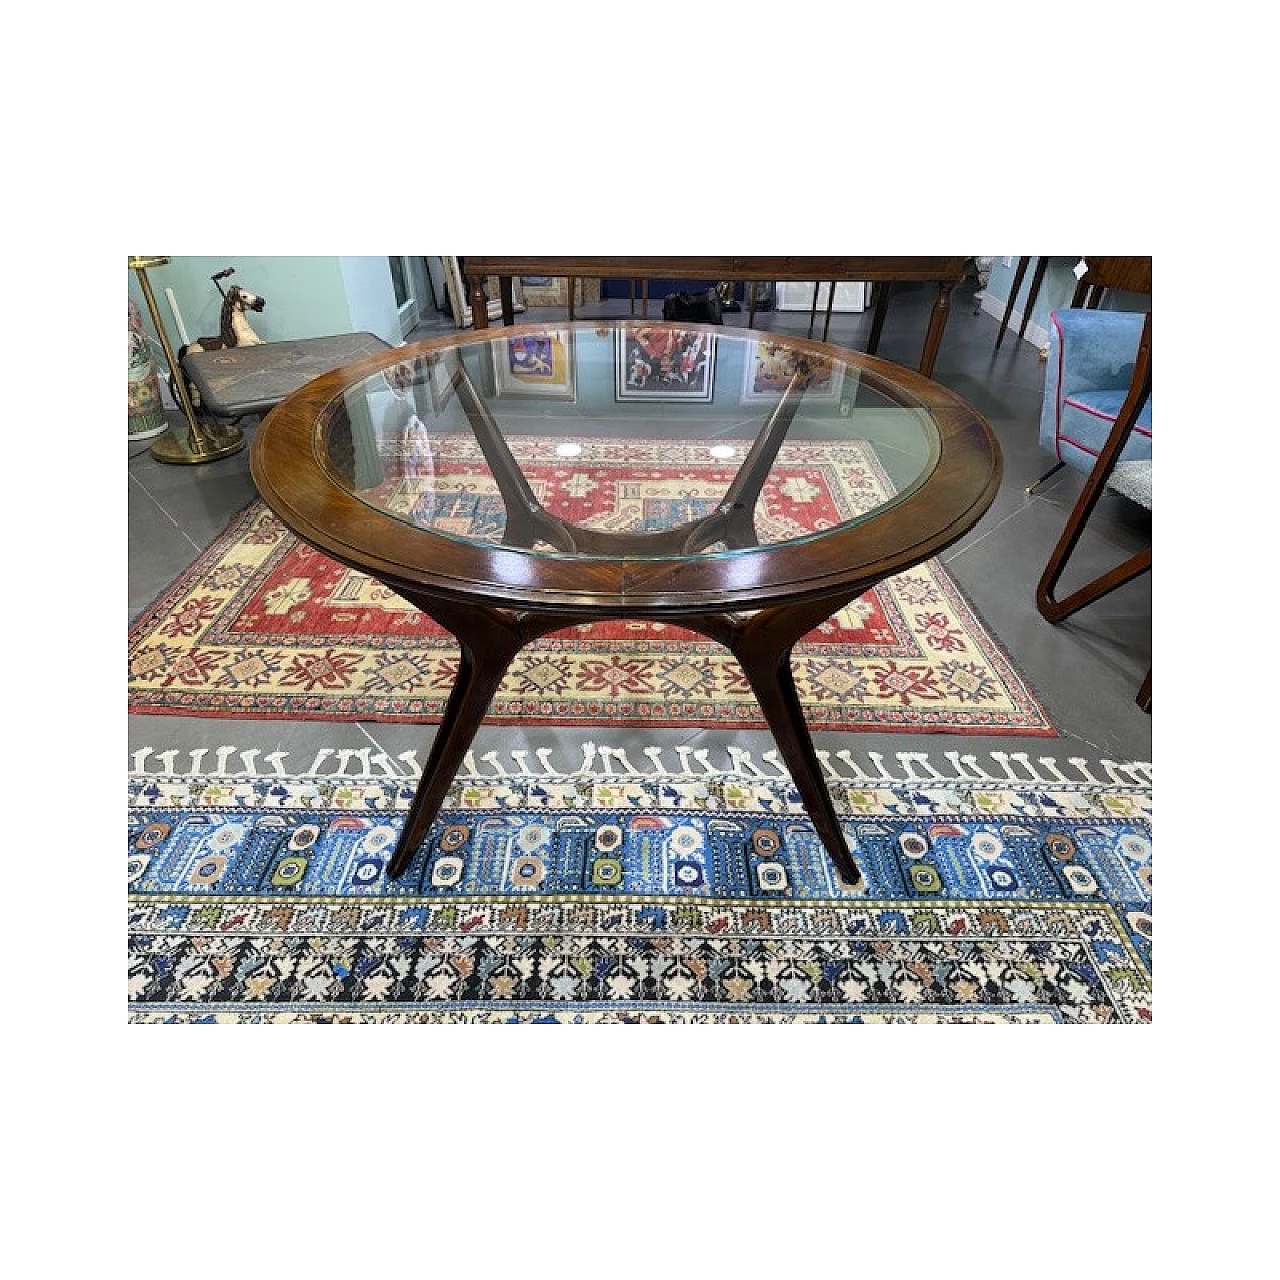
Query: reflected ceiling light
x,y
568,450
722,451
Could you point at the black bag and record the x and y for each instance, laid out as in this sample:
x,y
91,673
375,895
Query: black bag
x,y
701,308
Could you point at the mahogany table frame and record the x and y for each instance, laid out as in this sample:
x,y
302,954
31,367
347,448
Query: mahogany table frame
x,y
945,272
497,599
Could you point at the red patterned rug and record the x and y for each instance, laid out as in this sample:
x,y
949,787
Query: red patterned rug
x,y
263,626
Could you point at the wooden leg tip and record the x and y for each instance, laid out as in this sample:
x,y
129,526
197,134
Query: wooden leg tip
x,y
856,885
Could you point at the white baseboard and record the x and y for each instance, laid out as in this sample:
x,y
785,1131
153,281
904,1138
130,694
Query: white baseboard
x,y
1036,334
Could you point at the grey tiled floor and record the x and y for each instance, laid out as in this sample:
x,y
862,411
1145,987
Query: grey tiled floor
x,y
1086,670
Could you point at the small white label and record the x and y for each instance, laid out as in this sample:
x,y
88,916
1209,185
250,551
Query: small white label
x,y
1080,268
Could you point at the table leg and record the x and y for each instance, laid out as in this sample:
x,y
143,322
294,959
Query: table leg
x,y
480,672
768,671
527,520
506,292
762,643
569,285
831,300
877,320
937,323
1019,272
1037,279
813,307
479,303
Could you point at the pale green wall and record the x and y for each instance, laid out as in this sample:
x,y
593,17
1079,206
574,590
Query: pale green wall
x,y
371,297
306,297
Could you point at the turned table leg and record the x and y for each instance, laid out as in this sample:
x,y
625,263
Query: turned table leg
x,y
937,323
479,303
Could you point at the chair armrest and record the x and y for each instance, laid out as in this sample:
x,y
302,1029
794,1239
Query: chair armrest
x,y
1095,350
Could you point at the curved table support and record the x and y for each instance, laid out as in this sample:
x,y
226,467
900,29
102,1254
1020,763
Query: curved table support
x,y
488,642
762,643
528,521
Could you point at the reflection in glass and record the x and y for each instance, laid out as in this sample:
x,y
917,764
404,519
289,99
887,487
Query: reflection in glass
x,y
553,443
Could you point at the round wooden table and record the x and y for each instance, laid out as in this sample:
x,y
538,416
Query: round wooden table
x,y
511,483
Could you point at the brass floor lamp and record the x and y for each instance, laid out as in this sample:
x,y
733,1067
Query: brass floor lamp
x,y
200,442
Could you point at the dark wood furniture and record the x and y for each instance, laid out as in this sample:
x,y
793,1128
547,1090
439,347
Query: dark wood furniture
x,y
1037,279
728,569
945,272
1050,607
1132,275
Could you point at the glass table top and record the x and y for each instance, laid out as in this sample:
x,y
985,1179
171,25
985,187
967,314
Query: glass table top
x,y
627,438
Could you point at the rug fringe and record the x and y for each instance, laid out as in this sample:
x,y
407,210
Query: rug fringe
x,y
1004,768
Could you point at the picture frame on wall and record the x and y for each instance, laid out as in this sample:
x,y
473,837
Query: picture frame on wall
x,y
538,366
459,293
768,368
660,363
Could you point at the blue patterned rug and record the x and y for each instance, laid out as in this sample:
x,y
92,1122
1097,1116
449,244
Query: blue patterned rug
x,y
1012,892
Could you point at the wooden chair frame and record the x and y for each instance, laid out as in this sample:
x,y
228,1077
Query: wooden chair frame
x,y
1050,607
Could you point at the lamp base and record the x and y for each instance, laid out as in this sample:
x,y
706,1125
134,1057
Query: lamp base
x,y
177,445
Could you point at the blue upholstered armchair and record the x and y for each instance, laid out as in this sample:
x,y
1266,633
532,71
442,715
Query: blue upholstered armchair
x,y
1096,417
1091,358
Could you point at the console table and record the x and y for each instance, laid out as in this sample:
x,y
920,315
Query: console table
x,y
945,272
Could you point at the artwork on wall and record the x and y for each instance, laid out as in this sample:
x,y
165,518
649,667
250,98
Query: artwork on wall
x,y
657,362
460,294
770,366
537,365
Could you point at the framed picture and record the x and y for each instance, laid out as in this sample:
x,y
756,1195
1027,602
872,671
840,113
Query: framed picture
x,y
769,367
658,362
455,284
535,366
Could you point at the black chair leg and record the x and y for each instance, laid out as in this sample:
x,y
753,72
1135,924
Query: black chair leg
x,y
1053,471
